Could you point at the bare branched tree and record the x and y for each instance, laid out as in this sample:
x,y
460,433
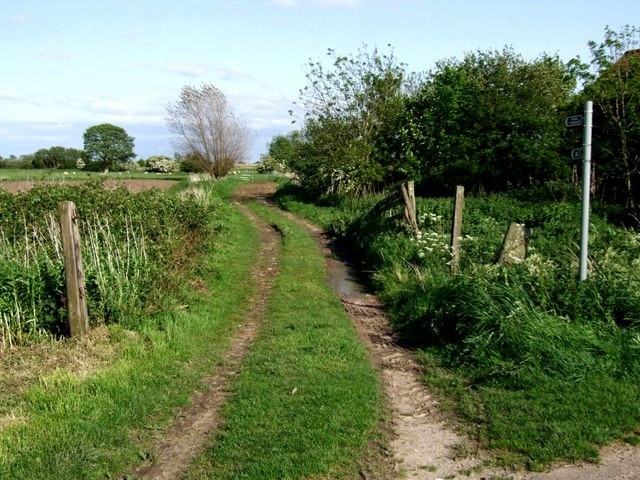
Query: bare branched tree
x,y
207,129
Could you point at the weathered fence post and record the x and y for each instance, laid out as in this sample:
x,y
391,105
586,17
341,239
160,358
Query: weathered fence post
x,y
514,246
456,230
409,195
73,271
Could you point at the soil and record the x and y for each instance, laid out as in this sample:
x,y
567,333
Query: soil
x,y
131,185
425,443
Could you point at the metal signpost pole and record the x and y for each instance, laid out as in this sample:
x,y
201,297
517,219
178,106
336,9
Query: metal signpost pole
x,y
586,188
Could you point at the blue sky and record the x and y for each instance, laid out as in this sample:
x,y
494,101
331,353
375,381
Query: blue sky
x,y
67,65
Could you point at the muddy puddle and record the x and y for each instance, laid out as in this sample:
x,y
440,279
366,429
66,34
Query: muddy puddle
x,y
342,273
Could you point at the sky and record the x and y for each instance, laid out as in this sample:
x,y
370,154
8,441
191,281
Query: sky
x,y
66,65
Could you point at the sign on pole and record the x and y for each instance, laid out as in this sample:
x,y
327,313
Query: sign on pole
x,y
576,154
573,121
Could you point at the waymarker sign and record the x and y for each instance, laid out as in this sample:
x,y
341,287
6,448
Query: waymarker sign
x,y
573,121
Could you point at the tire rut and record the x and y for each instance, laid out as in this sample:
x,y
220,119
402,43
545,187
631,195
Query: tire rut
x,y
177,446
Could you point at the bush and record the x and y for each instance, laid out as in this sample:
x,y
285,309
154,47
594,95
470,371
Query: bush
x,y
268,164
161,164
192,164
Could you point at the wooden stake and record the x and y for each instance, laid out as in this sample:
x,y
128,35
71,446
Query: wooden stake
x,y
73,271
409,195
456,230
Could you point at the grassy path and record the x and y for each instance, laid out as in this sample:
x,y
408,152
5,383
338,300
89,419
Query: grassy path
x,y
306,403
176,448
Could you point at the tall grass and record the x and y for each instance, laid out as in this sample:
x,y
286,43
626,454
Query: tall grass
x,y
133,246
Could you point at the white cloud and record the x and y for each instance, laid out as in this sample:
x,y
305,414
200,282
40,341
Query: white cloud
x,y
321,3
200,69
54,54
52,126
187,70
17,19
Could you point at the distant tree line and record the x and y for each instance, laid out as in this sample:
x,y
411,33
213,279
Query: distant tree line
x,y
492,121
106,147
209,137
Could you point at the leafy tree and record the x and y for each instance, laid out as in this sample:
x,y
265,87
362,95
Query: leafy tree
x,y
288,152
208,130
57,157
614,87
490,121
349,110
108,144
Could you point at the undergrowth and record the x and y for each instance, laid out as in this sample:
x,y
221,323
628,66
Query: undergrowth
x,y
134,247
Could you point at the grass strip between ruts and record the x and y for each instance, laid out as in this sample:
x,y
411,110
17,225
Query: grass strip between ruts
x,y
306,401
75,426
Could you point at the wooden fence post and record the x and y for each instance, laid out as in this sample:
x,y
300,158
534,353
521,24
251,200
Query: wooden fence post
x,y
456,230
73,271
409,195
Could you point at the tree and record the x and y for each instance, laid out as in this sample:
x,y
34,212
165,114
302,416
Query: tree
x,y
490,121
614,87
207,129
56,157
350,109
108,144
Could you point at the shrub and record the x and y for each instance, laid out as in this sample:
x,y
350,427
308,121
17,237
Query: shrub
x,y
161,164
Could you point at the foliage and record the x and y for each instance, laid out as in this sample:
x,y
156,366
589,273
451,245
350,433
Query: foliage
x,y
90,408
24,162
57,157
161,164
108,145
191,163
489,122
268,164
350,113
208,130
614,86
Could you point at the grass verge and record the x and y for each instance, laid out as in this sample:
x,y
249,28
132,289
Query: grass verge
x,y
95,422
306,402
